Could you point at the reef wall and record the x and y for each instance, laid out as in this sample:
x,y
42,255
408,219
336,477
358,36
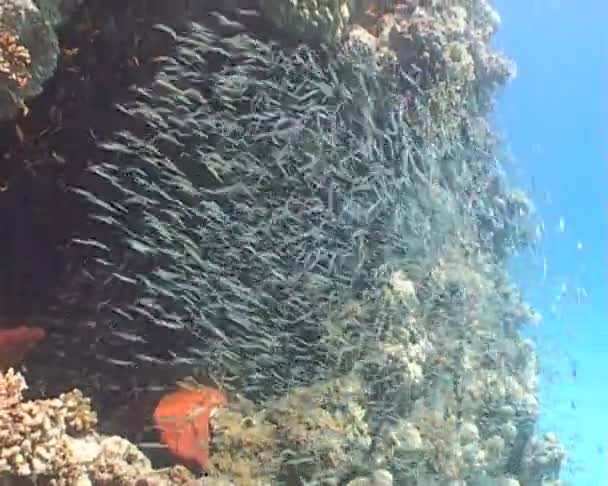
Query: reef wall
x,y
321,229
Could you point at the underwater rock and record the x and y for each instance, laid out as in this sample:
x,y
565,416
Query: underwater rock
x,y
542,460
313,433
57,12
492,481
441,44
28,54
381,477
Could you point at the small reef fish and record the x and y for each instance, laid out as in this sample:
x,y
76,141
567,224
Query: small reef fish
x,y
182,418
16,344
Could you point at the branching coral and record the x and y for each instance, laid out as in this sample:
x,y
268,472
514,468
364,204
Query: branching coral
x,y
33,433
14,60
12,386
54,442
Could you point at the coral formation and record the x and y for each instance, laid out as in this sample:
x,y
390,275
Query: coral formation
x,y
440,44
325,231
53,441
28,54
14,60
313,20
314,433
57,12
298,222
542,460
380,477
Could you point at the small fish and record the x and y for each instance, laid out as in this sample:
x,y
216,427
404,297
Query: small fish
x,y
121,363
247,12
146,358
129,336
226,22
167,30
16,344
182,418
573,369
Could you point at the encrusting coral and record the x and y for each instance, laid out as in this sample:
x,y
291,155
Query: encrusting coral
x,y
316,20
313,433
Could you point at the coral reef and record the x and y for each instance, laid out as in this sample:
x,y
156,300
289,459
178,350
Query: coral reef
x,y
29,49
323,231
312,20
314,433
381,477
542,460
232,218
440,44
53,442
28,54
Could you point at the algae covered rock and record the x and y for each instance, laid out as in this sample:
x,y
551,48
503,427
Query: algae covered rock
x,y
57,12
542,460
313,433
28,54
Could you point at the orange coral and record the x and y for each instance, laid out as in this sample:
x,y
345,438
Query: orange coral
x,y
16,343
182,417
14,59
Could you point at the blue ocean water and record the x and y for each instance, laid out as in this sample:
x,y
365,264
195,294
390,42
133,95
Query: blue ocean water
x,y
554,115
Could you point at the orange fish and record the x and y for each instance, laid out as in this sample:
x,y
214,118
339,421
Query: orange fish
x,y
16,344
182,417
